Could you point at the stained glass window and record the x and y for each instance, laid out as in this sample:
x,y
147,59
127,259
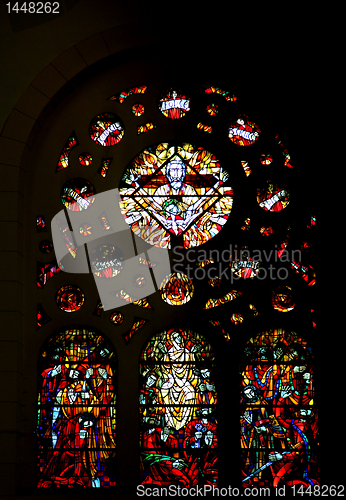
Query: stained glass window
x,y
85,159
273,197
174,104
137,109
278,418
282,299
41,224
124,94
77,194
117,318
141,129
65,154
106,129
178,436
177,289
243,132
69,298
46,246
179,191
46,271
105,163
106,261
76,411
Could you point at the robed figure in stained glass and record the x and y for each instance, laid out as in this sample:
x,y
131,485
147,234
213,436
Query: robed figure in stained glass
x,y
76,424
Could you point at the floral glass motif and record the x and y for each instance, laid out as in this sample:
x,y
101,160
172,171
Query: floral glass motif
x,y
175,191
69,298
85,159
141,129
204,128
137,109
218,90
106,129
243,132
85,229
273,197
282,299
178,436
174,104
76,411
137,325
177,289
266,159
212,109
77,194
65,154
278,417
106,261
212,302
117,318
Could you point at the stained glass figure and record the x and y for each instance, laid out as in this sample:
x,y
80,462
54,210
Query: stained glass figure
x,y
117,318
177,289
243,132
77,194
174,104
137,109
85,159
278,416
106,261
222,300
178,397
85,229
273,197
41,226
65,154
266,159
212,109
247,169
282,299
46,271
106,129
218,90
177,191
69,298
45,246
105,163
137,325
124,94
204,128
41,316
76,411
246,268
145,128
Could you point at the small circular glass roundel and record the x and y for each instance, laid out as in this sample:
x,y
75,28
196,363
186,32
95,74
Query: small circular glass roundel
x,y
177,289
106,261
70,298
137,109
171,191
243,132
117,317
106,129
85,159
46,246
282,299
273,197
77,194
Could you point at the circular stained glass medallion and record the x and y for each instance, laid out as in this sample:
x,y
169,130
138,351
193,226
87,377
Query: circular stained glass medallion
x,y
282,299
171,192
46,246
117,317
243,132
106,129
137,109
106,261
174,104
77,194
177,289
273,197
70,298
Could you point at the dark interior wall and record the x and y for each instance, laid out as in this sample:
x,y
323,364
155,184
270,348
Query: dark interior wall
x,y
44,69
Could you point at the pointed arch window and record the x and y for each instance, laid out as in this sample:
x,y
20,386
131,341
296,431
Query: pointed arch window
x,y
76,415
178,435
279,419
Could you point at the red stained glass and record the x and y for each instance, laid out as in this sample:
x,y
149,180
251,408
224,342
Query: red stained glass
x,y
85,159
273,197
69,298
174,104
243,131
77,194
106,129
65,154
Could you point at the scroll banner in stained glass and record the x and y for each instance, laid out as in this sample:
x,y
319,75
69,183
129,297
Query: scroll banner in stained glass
x,y
278,418
243,132
76,424
106,129
116,259
174,104
273,196
177,191
178,397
